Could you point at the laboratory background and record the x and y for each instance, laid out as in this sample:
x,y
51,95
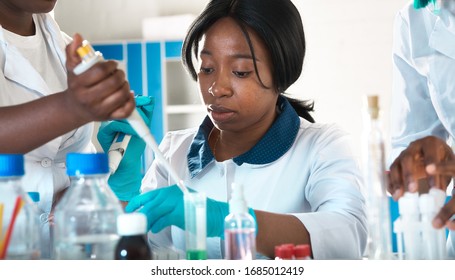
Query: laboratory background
x,y
349,51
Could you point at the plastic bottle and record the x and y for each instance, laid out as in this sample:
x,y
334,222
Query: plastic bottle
x,y
19,220
86,216
239,228
379,245
132,245
46,235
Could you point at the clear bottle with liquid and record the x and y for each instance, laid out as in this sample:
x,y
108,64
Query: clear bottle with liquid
x,y
19,218
239,228
373,163
86,216
132,228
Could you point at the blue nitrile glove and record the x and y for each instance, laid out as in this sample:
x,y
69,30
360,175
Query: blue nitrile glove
x,y
164,207
126,181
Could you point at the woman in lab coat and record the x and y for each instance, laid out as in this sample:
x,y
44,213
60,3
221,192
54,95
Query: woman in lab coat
x,y
45,110
423,97
300,179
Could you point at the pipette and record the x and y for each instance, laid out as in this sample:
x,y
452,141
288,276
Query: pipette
x,y
89,58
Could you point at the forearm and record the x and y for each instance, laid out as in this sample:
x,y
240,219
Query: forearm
x,y
32,124
275,229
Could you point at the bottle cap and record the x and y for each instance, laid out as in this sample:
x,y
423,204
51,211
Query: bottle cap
x,y
34,196
11,165
86,164
284,251
373,106
131,224
302,251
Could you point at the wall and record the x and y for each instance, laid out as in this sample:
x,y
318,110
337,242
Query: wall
x,y
348,51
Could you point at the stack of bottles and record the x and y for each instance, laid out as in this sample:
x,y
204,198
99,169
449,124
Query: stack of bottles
x,y
379,244
293,252
19,218
86,216
417,239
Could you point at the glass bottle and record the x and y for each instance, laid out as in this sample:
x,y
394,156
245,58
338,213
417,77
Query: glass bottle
x,y
19,219
377,204
132,245
86,216
239,228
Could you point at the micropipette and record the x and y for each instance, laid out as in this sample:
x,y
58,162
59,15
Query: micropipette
x,y
89,58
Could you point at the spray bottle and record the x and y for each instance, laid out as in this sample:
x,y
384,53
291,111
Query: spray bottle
x,y
239,228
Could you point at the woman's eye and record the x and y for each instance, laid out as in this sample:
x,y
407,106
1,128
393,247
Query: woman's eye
x,y
241,74
206,70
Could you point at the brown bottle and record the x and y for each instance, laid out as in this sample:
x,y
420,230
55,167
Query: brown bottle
x,y
132,244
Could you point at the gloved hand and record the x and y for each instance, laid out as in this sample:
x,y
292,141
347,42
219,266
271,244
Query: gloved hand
x,y
126,181
164,207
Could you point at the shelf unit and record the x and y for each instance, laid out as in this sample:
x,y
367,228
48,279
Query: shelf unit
x,y
154,68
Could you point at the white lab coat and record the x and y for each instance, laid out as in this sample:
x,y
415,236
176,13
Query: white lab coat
x,y
423,101
45,169
317,180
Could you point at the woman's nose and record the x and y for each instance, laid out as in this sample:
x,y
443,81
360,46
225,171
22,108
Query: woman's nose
x,y
220,87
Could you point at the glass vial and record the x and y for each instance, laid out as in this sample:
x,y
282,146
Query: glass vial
x,y
19,218
377,204
132,228
86,216
239,228
195,226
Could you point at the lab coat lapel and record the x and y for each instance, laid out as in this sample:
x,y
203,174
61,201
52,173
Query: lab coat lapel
x,y
19,70
442,39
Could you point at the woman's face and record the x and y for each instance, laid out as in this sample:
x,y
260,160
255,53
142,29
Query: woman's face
x,y
236,99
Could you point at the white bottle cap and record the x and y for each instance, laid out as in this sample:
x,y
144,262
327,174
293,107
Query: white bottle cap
x,y
439,197
426,204
131,224
408,204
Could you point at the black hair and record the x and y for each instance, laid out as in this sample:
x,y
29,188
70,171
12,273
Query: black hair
x,y
279,25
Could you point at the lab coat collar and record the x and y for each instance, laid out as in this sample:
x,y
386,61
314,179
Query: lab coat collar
x,y
442,38
19,69
274,144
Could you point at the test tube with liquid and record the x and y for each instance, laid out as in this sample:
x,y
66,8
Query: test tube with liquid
x,y
195,226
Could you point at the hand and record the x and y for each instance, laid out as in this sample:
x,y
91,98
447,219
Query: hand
x,y
126,181
101,93
165,207
410,165
446,212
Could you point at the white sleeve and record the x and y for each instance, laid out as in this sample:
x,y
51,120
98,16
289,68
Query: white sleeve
x,y
337,221
412,113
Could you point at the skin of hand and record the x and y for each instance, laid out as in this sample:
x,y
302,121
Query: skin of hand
x,y
448,210
101,92
409,166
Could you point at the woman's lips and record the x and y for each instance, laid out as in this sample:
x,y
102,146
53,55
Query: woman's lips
x,y
220,114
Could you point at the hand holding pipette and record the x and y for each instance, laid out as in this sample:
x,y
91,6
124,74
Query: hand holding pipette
x,y
134,119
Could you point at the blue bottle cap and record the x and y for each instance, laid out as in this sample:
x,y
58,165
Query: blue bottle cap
x,y
34,196
11,165
86,164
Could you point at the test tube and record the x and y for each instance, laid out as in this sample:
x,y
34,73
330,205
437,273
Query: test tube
x,y
195,226
408,206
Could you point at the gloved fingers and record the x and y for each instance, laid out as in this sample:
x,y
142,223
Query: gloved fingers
x,y
156,213
139,201
174,218
145,106
157,196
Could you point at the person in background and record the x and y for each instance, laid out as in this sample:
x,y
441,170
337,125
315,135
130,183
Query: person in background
x,y
301,179
423,99
45,110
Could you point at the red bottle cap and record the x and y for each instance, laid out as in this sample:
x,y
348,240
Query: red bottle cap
x,y
284,251
302,251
